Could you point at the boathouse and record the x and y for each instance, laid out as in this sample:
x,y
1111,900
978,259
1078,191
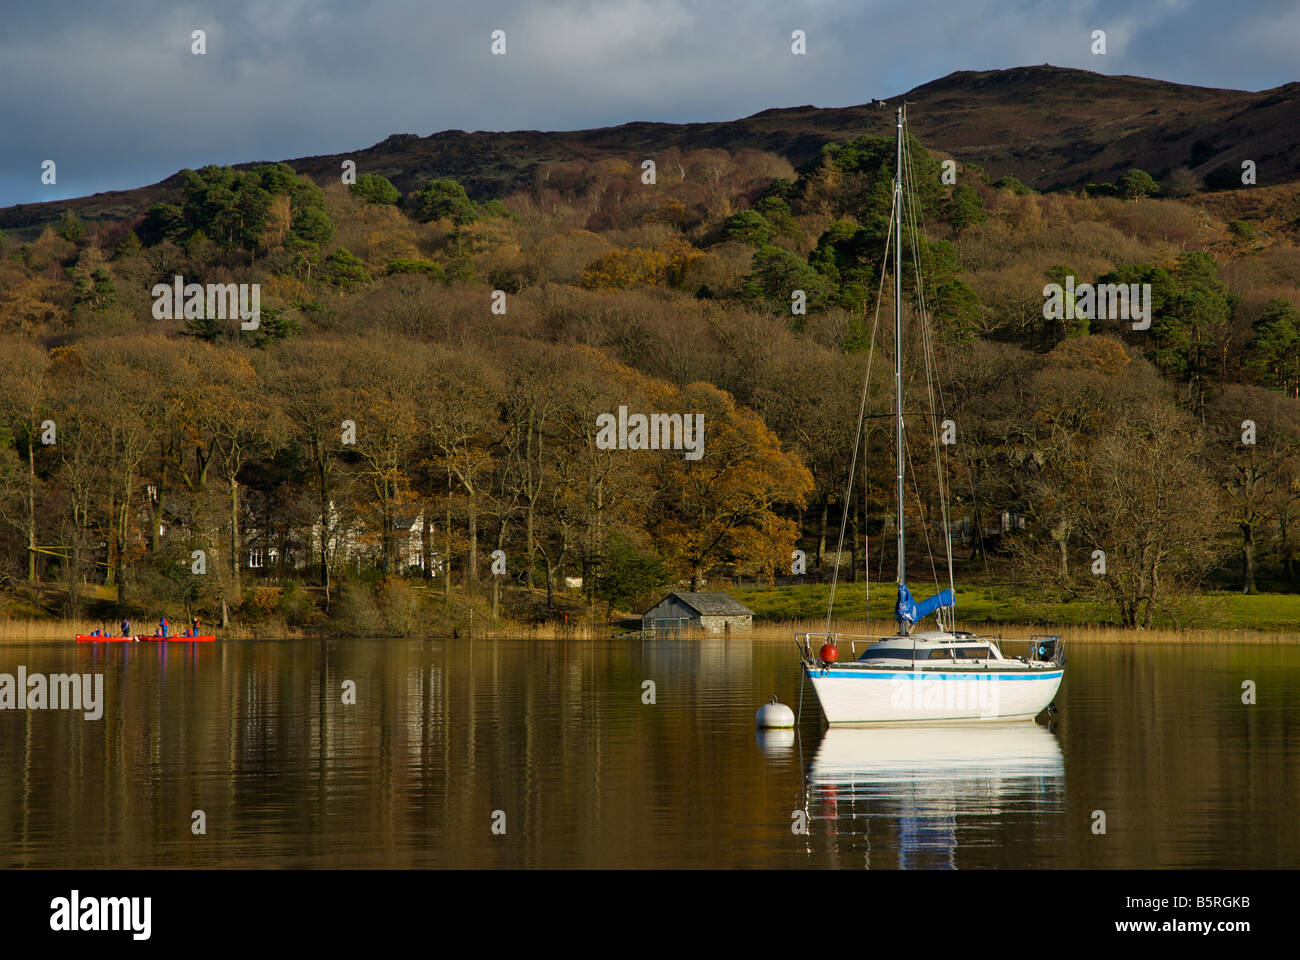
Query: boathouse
x,y
713,613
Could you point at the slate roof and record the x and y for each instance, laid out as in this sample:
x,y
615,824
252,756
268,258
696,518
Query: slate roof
x,y
713,604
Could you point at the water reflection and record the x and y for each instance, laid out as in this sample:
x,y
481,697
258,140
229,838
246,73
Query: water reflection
x,y
776,743
910,796
593,772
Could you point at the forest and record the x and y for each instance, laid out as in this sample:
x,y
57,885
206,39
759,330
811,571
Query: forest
x,y
408,433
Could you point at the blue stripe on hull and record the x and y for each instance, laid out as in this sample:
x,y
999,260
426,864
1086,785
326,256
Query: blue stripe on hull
x,y
926,674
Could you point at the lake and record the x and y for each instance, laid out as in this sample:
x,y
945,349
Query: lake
x,y
552,743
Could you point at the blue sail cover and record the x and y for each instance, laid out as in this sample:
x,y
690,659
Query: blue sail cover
x,y
907,610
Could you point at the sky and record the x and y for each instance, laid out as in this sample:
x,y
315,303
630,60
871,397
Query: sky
x,y
112,91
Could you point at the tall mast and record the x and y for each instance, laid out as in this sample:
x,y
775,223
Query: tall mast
x,y
898,335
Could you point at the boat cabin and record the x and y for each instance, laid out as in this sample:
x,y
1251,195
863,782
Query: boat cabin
x,y
951,647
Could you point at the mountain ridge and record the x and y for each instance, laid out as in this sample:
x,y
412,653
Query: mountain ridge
x,y
1050,127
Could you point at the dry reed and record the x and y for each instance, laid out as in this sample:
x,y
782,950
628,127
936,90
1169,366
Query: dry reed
x,y
24,631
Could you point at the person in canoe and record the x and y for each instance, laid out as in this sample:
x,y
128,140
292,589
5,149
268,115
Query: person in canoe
x,y
126,628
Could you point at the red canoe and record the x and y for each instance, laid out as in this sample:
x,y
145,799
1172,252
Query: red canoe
x,y
85,638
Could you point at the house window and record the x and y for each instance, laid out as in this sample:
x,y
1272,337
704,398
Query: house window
x,y
255,560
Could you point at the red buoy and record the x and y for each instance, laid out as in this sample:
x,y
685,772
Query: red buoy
x,y
828,653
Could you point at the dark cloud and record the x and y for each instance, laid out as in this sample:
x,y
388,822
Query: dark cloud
x,y
111,92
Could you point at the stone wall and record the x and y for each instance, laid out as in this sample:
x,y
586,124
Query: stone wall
x,y
719,624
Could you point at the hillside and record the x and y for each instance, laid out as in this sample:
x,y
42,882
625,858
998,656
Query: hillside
x,y
1047,126
425,385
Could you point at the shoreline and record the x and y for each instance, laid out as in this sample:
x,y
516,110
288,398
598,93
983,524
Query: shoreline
x,y
53,631
1070,633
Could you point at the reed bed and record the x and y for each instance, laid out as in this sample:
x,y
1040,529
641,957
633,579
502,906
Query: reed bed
x,y
24,631
34,631
29,631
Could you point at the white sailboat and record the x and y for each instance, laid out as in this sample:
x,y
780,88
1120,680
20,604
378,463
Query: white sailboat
x,y
934,675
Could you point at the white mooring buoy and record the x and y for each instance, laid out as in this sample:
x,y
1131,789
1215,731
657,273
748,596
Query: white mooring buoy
x,y
774,714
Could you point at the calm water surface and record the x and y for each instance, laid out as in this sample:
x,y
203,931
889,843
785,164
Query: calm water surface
x,y
557,737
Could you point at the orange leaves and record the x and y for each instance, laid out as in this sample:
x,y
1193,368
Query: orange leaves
x,y
671,211
764,548
286,288
31,303
224,401
681,254
723,506
622,268
1101,355
264,600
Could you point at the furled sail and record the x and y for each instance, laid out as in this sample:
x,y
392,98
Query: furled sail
x,y
908,610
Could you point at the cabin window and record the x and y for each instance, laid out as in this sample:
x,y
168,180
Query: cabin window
x,y
973,653
897,653
941,654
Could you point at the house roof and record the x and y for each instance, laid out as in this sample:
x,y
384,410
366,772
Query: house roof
x,y
712,604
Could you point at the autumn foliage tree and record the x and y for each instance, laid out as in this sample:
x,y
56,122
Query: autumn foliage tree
x,y
723,506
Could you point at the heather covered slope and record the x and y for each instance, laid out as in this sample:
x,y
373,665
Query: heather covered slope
x,y
1047,126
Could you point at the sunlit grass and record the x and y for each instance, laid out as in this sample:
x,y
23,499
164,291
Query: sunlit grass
x,y
985,606
782,611
1009,634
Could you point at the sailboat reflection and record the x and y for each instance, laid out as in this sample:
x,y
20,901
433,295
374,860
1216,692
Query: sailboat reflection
x,y
929,780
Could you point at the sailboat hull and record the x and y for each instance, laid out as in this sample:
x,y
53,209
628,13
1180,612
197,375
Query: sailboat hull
x,y
849,695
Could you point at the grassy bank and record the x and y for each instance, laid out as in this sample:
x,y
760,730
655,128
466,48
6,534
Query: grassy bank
x,y
984,607
400,609
395,607
1010,633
